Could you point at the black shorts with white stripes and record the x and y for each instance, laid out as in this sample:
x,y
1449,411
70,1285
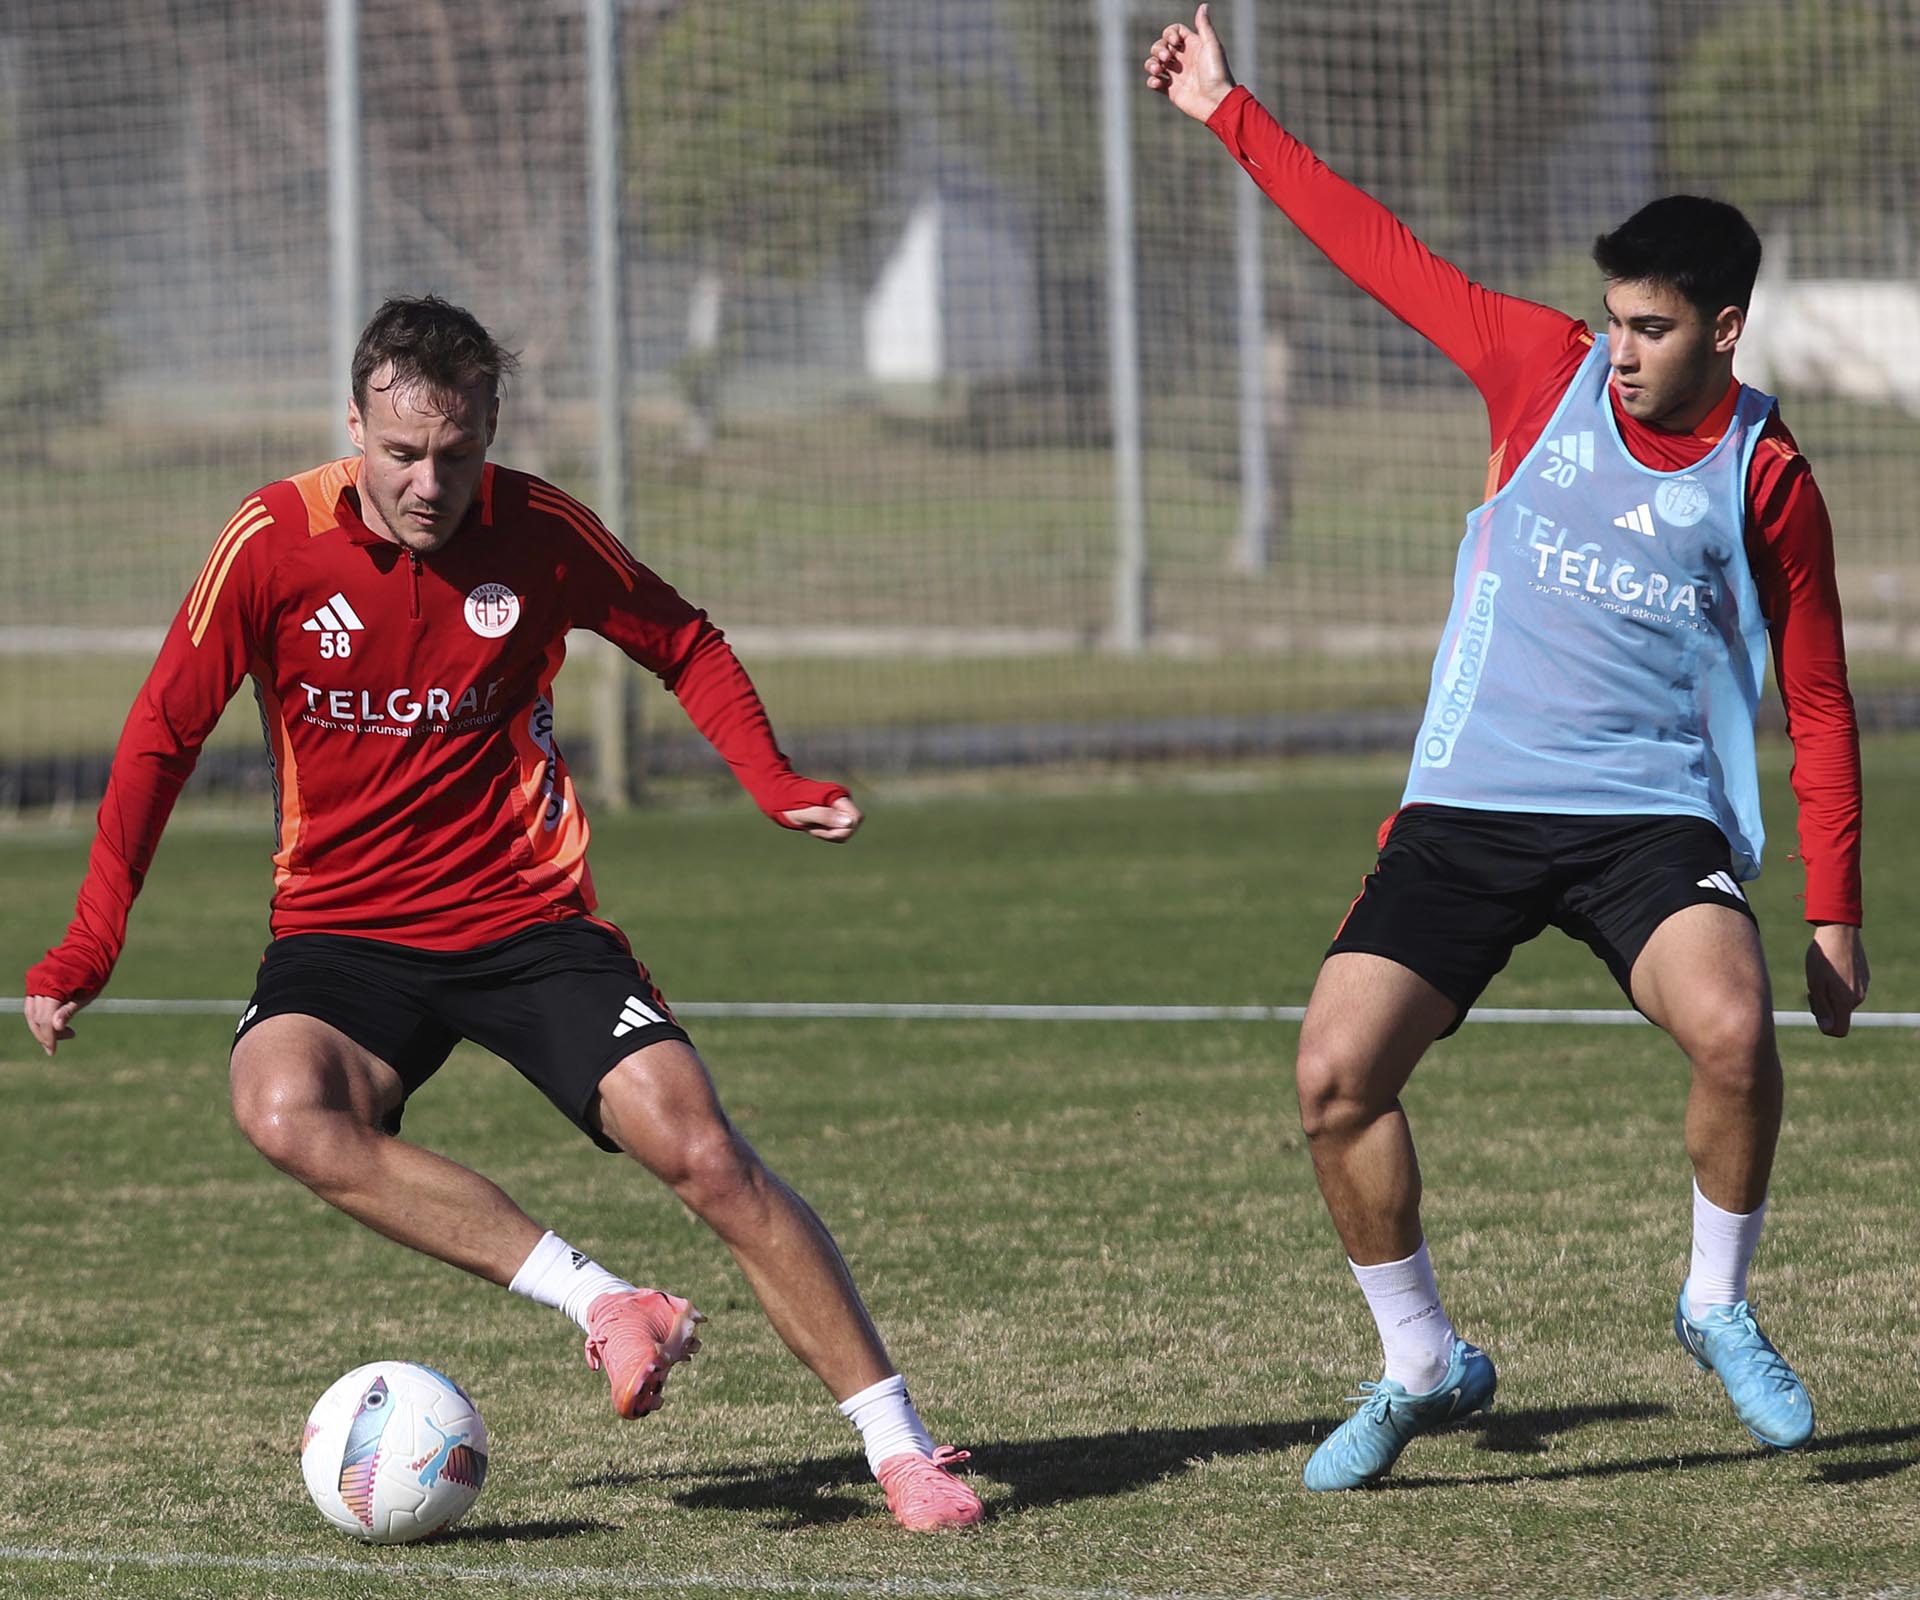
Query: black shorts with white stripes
x,y
1456,890
563,1002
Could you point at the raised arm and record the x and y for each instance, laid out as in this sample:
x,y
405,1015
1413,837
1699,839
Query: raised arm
x,y
1497,340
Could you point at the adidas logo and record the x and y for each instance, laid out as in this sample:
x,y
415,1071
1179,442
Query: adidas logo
x,y
336,616
1567,457
1723,881
1574,447
577,1259
1638,520
635,1013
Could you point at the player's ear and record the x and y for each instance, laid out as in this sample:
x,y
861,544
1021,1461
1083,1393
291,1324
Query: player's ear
x,y
1727,328
493,418
356,428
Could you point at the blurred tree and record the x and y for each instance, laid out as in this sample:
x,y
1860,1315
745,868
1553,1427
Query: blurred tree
x,y
1806,113
1024,98
55,350
762,143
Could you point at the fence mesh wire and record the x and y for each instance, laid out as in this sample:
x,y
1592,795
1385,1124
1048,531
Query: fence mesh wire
x,y
866,321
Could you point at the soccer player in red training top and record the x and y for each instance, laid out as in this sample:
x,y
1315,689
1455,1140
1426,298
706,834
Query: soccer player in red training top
x,y
402,614
1586,758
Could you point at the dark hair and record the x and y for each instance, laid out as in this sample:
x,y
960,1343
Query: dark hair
x,y
431,344
1704,249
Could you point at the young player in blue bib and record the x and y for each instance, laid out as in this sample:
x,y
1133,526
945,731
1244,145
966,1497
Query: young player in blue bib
x,y
1585,760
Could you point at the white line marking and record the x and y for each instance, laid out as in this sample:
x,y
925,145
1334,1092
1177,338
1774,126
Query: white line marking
x,y
574,1579
910,1011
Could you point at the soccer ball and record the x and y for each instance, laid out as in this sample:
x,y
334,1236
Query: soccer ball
x,y
394,1452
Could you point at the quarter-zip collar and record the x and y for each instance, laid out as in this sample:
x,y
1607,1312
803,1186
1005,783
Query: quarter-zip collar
x,y
347,510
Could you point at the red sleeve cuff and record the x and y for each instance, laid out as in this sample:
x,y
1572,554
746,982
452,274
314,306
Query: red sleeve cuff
x,y
1229,108
62,979
796,792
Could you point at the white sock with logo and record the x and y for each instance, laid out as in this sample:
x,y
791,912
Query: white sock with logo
x,y
888,1424
1414,1330
1723,1246
558,1275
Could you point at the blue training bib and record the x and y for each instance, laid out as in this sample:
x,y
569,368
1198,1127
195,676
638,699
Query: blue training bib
x,y
1605,648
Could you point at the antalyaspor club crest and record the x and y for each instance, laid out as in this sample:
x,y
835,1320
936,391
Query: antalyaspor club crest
x,y
492,609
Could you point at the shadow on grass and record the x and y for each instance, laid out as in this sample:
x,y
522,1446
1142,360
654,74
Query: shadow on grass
x,y
1049,1472
1038,1472
509,1532
1525,1432
1853,1471
794,1494
823,1490
1866,1438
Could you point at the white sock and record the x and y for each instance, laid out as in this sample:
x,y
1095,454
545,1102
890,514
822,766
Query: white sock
x,y
1414,1329
888,1424
1723,1246
558,1275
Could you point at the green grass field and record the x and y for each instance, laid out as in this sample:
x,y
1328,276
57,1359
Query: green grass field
x,y
1095,1248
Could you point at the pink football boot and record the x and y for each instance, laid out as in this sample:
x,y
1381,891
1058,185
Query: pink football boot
x,y
635,1338
923,1495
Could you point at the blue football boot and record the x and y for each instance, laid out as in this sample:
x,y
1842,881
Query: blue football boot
x,y
1362,1449
1767,1394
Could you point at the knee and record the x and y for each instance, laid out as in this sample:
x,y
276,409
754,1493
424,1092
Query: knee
x,y
279,1118
270,1117
1334,1088
712,1168
1732,1051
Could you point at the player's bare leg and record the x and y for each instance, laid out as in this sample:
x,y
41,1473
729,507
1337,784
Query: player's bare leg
x,y
311,1101
1368,1023
660,1107
1703,977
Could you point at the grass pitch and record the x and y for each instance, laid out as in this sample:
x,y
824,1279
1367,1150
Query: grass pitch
x,y
1095,1249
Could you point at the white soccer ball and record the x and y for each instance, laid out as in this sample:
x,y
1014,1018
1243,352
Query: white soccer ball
x,y
394,1452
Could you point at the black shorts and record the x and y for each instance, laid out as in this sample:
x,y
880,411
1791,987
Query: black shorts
x,y
1456,890
563,1002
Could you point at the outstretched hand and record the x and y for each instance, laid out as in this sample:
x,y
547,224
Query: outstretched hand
x,y
49,1019
1836,976
836,823
1189,67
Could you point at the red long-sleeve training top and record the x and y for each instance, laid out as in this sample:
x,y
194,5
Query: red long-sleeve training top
x,y
1521,357
407,703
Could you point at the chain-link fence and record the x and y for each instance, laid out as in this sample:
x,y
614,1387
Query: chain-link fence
x,y
867,321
